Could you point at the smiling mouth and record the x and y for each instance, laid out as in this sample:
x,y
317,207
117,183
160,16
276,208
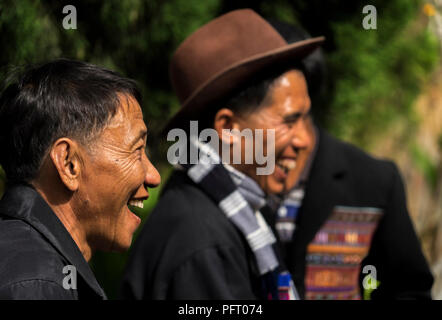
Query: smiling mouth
x,y
286,165
136,203
139,203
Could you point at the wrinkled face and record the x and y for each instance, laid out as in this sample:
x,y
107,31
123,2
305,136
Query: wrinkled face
x,y
116,172
286,111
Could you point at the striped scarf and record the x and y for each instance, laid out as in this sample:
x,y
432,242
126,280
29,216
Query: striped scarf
x,y
240,198
288,212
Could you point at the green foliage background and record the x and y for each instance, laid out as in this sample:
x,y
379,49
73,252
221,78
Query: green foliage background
x,y
374,75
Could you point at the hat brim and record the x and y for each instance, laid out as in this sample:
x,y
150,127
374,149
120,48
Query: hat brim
x,y
221,84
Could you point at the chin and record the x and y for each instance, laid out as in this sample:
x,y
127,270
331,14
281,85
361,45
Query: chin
x,y
122,247
274,187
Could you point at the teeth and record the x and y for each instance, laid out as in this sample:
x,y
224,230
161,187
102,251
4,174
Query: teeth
x,y
136,203
287,164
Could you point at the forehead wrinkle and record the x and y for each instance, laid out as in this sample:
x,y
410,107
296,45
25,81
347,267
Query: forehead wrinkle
x,y
117,137
298,96
127,111
128,107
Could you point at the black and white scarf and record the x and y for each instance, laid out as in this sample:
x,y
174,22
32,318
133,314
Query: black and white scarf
x,y
240,198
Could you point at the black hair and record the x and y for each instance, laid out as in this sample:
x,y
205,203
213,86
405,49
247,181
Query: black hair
x,y
61,98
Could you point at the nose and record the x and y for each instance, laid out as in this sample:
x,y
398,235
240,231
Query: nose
x,y
302,137
152,178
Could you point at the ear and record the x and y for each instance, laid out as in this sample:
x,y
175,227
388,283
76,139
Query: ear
x,y
65,155
226,121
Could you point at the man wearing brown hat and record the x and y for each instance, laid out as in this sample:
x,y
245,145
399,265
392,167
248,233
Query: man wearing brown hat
x,y
344,228
207,238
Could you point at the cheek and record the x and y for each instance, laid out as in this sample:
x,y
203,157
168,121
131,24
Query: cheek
x,y
282,138
130,170
281,134
116,181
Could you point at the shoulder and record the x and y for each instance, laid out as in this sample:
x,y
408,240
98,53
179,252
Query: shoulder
x,y
360,165
29,263
189,213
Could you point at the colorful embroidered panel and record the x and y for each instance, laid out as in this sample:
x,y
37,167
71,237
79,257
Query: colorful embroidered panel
x,y
334,256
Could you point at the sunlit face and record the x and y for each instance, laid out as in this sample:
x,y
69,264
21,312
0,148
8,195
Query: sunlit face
x,y
303,157
286,112
116,171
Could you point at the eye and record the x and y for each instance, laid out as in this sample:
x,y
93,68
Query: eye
x,y
292,120
140,150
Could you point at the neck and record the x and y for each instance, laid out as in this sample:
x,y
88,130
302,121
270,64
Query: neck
x,y
73,226
65,213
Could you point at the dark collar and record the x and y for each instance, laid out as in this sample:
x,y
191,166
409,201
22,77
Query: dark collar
x,y
25,203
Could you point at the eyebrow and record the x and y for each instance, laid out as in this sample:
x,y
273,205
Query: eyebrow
x,y
141,135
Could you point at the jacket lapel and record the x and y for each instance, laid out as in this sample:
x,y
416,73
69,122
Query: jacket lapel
x,y
322,188
24,203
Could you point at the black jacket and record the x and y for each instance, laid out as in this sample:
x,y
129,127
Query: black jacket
x,y
35,248
342,175
188,249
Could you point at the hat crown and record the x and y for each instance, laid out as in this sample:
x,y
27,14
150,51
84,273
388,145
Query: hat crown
x,y
219,45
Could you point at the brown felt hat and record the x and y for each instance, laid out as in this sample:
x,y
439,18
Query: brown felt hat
x,y
223,55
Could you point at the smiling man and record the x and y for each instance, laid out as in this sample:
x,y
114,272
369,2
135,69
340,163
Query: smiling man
x,y
72,137
338,222
235,73
284,109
